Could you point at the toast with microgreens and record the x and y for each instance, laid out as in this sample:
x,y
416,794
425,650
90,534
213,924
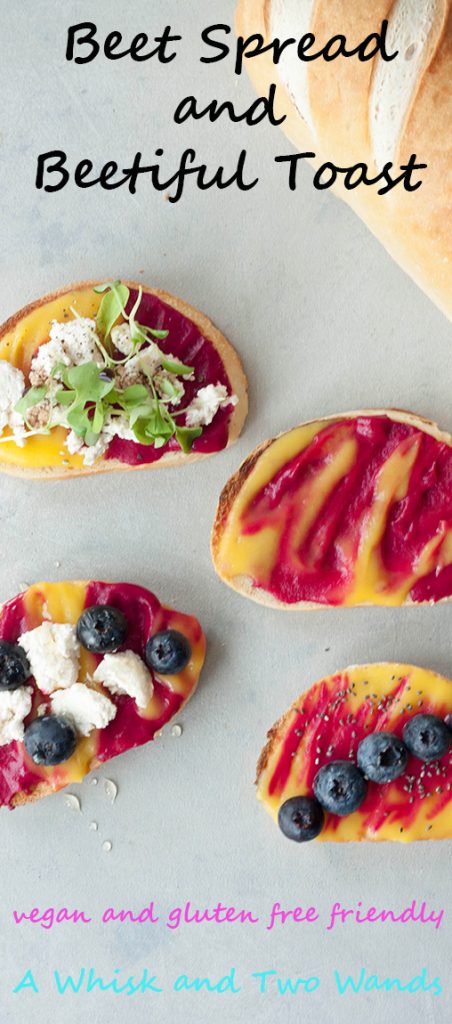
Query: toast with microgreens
x,y
101,377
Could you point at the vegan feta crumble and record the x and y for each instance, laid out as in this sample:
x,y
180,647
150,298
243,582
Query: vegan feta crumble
x,y
85,707
12,386
126,673
53,652
71,343
15,705
206,404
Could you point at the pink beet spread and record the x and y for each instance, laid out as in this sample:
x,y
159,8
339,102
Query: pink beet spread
x,y
129,729
187,344
323,569
329,732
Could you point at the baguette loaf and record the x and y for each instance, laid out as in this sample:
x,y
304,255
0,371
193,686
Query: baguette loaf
x,y
336,513
374,112
18,344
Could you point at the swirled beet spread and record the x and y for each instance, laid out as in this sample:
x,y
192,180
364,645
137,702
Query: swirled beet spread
x,y
356,510
327,725
79,683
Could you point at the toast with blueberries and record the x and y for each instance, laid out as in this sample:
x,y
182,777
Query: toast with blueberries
x,y
88,670
364,754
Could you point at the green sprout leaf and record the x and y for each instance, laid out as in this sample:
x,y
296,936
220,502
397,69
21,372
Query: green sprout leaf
x,y
100,288
112,306
186,436
88,383
79,420
65,398
173,366
153,425
142,433
98,419
137,334
161,335
168,387
33,397
134,395
89,394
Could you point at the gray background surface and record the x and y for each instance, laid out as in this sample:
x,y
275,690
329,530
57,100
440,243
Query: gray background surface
x,y
324,322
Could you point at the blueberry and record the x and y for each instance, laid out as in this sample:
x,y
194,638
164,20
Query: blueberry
x,y
14,666
427,737
301,818
340,788
382,757
50,740
102,628
168,652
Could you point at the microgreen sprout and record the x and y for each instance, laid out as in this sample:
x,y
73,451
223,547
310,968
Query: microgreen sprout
x,y
90,396
112,306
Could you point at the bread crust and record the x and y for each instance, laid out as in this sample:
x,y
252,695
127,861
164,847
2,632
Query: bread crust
x,y
243,584
227,353
273,736
415,228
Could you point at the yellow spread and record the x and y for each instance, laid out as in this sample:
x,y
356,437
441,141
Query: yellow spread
x,y
261,534
18,346
328,722
64,603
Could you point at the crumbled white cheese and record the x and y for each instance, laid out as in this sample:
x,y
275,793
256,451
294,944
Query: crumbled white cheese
x,y
15,705
12,386
91,453
87,708
126,673
122,338
118,426
150,358
206,404
70,343
53,652
115,426
73,442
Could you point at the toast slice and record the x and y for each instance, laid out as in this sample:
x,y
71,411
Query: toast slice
x,y
178,330
327,724
132,700
354,509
